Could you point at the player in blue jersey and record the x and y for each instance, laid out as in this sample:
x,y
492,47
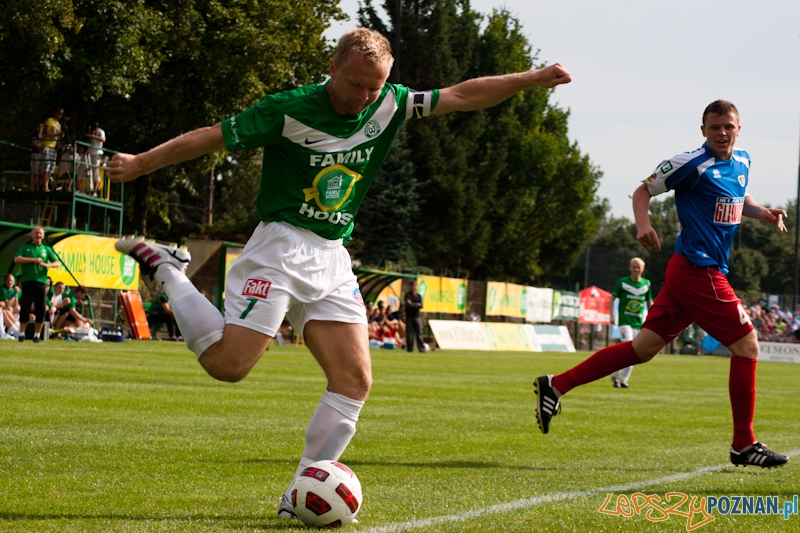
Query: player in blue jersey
x,y
710,187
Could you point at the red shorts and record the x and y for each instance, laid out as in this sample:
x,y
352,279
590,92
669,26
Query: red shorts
x,y
697,294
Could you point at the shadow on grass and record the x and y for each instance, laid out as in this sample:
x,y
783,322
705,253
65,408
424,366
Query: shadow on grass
x,y
235,522
456,465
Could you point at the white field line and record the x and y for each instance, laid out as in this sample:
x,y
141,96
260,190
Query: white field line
x,y
545,498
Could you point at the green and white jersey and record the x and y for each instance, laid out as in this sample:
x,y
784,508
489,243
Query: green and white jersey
x,y
318,165
32,271
632,297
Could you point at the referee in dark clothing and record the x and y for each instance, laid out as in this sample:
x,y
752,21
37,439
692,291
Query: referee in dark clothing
x,y
35,258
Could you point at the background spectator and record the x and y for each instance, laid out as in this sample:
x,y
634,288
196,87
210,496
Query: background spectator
x,y
49,155
96,137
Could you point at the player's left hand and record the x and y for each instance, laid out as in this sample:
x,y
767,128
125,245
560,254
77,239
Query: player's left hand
x,y
553,75
775,217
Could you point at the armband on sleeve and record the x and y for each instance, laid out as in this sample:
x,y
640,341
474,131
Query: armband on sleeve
x,y
420,104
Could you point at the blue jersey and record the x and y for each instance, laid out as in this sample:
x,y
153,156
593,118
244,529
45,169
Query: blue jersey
x,y
709,195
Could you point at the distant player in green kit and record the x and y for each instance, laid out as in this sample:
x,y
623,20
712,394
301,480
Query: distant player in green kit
x,y
633,292
323,145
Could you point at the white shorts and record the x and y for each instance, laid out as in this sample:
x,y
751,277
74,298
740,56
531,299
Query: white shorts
x,y
292,272
627,333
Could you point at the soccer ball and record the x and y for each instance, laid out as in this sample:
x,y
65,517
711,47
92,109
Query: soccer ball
x,y
326,494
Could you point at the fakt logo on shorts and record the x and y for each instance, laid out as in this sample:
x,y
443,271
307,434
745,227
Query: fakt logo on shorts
x,y
257,288
699,511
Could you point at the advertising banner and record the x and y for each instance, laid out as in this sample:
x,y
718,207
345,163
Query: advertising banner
x,y
429,287
95,263
783,352
595,304
506,299
540,305
453,296
566,305
551,338
508,337
460,335
500,336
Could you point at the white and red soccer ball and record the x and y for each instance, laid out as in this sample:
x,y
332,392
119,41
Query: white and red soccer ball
x,y
326,494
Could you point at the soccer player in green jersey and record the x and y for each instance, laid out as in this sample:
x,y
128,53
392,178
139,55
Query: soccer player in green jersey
x,y
323,145
633,292
35,259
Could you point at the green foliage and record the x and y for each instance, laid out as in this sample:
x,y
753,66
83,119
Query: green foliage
x,y
136,437
387,224
151,70
508,195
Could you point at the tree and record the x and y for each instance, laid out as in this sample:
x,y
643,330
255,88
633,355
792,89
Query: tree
x,y
387,223
151,70
507,193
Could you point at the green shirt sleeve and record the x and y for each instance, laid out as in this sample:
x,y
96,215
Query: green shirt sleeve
x,y
259,125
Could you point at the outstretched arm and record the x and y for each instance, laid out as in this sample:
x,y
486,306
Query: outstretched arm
x,y
645,233
769,215
480,93
126,167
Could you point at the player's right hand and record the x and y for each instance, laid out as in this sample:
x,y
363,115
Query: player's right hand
x,y
648,238
123,167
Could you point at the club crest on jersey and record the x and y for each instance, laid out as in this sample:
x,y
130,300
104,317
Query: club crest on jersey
x,y
372,129
257,288
728,211
715,174
741,180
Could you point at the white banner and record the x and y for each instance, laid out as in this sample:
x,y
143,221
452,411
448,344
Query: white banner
x,y
540,305
460,335
783,352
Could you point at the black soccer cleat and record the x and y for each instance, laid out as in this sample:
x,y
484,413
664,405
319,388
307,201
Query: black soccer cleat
x,y
758,454
547,403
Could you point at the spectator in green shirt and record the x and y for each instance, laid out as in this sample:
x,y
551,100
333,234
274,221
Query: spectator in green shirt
x,y
79,313
35,259
9,304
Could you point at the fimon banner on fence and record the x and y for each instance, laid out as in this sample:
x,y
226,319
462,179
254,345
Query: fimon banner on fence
x,y
95,263
500,336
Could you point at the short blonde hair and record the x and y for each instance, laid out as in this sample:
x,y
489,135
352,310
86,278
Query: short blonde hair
x,y
637,260
373,46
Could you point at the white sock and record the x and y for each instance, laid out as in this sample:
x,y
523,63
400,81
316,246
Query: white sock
x,y
35,335
329,432
201,323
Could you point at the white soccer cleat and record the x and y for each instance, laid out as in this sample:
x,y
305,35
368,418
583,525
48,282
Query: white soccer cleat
x,y
151,254
285,508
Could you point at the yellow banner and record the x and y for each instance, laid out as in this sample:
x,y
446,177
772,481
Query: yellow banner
x,y
429,287
453,296
508,337
506,299
95,263
495,293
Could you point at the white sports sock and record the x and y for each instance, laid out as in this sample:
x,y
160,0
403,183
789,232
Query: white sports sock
x,y
329,432
201,323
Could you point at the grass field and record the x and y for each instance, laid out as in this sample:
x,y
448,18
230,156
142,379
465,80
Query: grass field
x,y
136,437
